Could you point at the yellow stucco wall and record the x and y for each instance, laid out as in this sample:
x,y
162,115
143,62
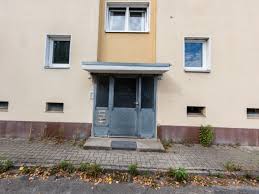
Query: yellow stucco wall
x,y
127,47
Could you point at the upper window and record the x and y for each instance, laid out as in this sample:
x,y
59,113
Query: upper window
x,y
4,106
196,54
58,51
127,18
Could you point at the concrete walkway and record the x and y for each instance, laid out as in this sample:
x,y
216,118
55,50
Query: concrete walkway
x,y
193,157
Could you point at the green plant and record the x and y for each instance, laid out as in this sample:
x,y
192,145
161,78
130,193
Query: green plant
x,y
66,166
5,165
232,167
179,174
206,135
133,169
84,167
167,144
24,169
94,169
53,170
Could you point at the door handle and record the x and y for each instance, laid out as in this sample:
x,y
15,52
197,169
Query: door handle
x,y
136,103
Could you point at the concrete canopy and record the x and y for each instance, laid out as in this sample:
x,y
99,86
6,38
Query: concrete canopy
x,y
126,68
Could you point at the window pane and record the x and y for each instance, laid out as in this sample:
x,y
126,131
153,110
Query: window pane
x,y
102,94
117,19
61,52
137,20
55,107
125,92
193,54
147,92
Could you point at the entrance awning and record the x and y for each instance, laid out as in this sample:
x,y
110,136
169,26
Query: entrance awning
x,y
126,68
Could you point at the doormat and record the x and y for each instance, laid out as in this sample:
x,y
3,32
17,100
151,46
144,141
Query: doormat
x,y
124,145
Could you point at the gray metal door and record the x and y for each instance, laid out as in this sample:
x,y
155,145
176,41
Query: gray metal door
x,y
124,112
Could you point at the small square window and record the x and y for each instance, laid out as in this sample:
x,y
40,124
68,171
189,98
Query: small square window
x,y
54,107
196,111
4,106
127,18
58,51
196,54
253,113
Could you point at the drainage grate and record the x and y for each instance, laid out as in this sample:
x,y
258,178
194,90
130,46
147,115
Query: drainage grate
x,y
124,145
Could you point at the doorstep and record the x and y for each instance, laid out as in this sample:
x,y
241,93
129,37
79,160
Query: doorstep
x,y
142,145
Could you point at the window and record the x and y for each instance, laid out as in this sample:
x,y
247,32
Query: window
x,y
4,106
196,54
54,107
58,51
127,18
253,113
195,111
102,93
147,92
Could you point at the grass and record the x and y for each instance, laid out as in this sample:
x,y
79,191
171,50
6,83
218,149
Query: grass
x,y
66,166
179,174
5,165
90,169
232,167
133,169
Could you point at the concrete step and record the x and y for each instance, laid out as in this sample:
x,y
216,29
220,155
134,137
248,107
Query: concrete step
x,y
143,145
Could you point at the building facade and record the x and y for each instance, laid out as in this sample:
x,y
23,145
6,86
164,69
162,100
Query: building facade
x,y
138,68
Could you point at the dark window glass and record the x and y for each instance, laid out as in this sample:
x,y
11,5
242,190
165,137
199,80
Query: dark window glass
x,y
4,105
102,93
61,52
125,92
147,92
193,54
196,110
253,112
55,107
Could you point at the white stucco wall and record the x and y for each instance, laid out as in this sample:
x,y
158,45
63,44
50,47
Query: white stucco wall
x,y
233,83
24,81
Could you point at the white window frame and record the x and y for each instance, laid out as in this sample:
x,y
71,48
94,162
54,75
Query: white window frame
x,y
206,54
49,51
128,5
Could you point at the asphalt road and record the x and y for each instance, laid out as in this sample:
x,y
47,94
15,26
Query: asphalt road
x,y
65,186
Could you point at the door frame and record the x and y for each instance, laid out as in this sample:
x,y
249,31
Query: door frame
x,y
110,102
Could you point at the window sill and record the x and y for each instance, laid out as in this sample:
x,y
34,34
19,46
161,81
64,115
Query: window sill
x,y
197,70
252,117
3,110
66,66
54,111
196,115
129,32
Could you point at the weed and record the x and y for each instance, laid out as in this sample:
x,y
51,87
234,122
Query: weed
x,y
179,174
206,135
5,165
167,144
133,169
232,167
66,166
24,169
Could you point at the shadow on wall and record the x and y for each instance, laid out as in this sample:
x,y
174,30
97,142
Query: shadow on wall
x,y
38,130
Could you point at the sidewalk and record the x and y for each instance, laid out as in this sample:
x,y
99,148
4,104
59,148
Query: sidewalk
x,y
194,157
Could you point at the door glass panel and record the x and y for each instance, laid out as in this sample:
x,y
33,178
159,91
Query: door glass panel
x,y
125,92
102,94
147,92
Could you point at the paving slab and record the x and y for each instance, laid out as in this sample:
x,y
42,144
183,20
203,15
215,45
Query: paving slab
x,y
192,157
143,145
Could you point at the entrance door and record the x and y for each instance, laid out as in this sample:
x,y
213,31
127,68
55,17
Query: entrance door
x,y
124,111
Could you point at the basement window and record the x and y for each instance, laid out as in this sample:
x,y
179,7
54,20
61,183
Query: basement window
x,y
132,17
55,107
4,106
196,111
253,113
